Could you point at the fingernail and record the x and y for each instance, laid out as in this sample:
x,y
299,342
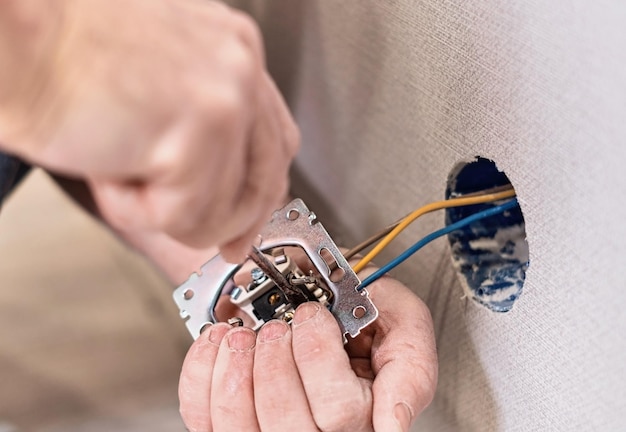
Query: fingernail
x,y
217,332
241,340
273,330
305,312
402,414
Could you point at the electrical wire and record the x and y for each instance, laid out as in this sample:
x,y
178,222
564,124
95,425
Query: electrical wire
x,y
382,233
395,229
370,241
430,237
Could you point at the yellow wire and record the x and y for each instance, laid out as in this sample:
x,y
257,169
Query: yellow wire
x,y
437,205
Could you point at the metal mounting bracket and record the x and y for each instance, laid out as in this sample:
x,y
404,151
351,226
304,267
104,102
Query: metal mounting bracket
x,y
293,225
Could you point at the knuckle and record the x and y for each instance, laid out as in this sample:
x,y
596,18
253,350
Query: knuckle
x,y
269,193
190,421
247,29
293,139
182,410
427,386
123,216
226,117
336,416
223,108
282,193
166,159
166,221
241,62
175,217
227,97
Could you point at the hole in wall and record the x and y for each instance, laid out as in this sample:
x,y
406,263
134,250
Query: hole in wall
x,y
490,255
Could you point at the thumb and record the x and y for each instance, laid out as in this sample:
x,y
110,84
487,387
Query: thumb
x,y
401,392
404,360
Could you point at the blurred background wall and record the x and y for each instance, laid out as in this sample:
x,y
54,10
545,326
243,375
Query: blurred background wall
x,y
90,339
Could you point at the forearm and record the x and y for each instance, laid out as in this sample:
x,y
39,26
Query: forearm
x,y
30,31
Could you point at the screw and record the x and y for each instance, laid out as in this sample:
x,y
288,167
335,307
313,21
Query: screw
x,y
235,322
257,275
235,293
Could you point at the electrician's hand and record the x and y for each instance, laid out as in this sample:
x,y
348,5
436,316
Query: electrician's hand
x,y
303,378
165,108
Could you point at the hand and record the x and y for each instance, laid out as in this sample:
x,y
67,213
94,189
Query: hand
x,y
165,108
303,378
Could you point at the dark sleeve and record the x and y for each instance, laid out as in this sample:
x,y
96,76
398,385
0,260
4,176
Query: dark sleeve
x,y
12,170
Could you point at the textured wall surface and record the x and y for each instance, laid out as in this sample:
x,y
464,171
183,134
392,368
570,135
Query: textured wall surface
x,y
390,95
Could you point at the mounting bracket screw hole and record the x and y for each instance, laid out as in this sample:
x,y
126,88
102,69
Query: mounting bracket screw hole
x,y
359,312
293,214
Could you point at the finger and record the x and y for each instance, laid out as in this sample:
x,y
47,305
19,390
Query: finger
x,y
273,143
175,259
240,246
196,202
266,182
291,133
194,387
232,396
118,202
198,166
225,309
337,397
404,357
193,176
250,34
235,250
281,403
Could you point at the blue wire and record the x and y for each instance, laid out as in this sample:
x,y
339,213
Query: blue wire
x,y
432,236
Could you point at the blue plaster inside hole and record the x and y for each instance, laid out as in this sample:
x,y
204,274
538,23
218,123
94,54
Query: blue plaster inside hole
x,y
490,255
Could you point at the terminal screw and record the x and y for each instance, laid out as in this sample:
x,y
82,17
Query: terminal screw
x,y
235,322
257,275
